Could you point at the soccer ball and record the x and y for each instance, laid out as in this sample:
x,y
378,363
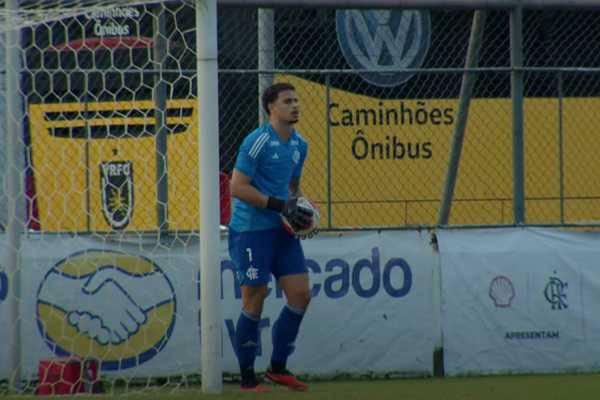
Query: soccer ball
x,y
314,226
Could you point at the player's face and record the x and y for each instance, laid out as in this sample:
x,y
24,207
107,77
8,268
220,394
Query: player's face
x,y
287,107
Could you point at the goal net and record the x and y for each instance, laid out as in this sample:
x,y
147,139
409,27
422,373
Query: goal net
x,y
107,200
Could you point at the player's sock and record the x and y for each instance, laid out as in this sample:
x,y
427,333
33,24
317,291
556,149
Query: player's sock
x,y
246,339
250,383
248,377
285,331
278,368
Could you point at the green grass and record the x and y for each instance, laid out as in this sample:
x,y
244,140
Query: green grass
x,y
526,387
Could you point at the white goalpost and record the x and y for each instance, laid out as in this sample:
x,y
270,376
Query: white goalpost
x,y
14,194
206,33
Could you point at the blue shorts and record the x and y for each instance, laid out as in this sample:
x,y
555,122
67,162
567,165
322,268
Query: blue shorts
x,y
258,254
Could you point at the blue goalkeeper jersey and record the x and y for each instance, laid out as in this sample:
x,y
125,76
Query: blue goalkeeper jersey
x,y
271,164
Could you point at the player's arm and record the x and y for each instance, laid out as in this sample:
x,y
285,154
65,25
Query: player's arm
x,y
242,189
295,187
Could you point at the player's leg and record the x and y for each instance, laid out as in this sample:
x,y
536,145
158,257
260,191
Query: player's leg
x,y
286,327
292,276
252,256
246,335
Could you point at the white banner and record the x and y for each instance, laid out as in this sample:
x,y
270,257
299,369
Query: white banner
x,y
371,309
136,307
519,300
133,307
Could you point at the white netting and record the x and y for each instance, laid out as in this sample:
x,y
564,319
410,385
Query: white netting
x,y
107,103
31,13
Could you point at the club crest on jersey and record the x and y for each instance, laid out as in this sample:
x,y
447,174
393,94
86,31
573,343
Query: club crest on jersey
x,y
296,156
116,185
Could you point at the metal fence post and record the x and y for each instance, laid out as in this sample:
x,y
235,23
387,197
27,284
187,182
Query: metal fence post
x,y
466,92
329,156
561,148
516,85
266,54
160,110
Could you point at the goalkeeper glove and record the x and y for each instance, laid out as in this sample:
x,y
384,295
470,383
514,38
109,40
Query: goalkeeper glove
x,y
299,217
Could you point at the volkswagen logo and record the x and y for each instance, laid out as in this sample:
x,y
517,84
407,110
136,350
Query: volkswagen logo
x,y
384,40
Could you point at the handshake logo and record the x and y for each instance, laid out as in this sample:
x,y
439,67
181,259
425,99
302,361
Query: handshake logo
x,y
107,298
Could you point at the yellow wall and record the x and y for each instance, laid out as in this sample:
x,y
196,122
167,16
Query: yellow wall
x,y
63,166
407,190
377,190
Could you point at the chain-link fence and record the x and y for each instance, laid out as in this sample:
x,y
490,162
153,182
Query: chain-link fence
x,y
380,97
380,142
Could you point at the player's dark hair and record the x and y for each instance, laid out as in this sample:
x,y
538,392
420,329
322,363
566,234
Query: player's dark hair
x,y
272,92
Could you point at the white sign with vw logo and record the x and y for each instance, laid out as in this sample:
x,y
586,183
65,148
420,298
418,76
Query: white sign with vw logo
x,y
384,40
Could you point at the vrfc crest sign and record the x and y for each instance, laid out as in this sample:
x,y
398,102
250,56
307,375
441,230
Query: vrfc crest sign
x,y
116,180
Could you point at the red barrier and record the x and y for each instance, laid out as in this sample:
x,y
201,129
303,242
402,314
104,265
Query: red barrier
x,y
62,376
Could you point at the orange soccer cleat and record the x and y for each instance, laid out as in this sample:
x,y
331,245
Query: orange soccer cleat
x,y
286,378
254,388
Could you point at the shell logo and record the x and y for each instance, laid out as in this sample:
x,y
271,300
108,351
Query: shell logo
x,y
116,307
501,291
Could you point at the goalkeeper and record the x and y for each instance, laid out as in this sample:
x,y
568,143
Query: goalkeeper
x,y
265,185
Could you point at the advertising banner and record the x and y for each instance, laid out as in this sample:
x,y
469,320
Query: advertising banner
x,y
519,300
136,307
